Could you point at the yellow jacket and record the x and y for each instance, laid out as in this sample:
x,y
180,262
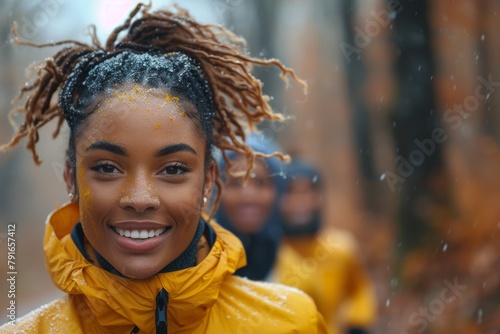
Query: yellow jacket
x,y
206,298
327,268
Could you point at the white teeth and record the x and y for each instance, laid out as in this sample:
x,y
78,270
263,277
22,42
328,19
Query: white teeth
x,y
142,234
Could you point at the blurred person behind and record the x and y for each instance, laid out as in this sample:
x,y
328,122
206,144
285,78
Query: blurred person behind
x,y
250,209
323,262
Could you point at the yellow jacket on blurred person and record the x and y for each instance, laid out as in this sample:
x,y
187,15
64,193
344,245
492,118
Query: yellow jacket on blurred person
x,y
206,298
326,267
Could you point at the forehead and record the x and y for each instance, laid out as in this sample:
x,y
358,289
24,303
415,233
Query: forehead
x,y
134,97
300,183
142,114
239,165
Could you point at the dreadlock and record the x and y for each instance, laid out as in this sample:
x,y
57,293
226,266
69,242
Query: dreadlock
x,y
204,63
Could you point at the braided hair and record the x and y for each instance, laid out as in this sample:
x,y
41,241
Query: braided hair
x,y
204,63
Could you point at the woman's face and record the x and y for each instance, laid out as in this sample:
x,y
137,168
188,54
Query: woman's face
x,y
248,206
141,178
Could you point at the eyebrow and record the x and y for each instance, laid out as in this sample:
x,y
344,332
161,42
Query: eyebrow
x,y
171,149
106,146
116,149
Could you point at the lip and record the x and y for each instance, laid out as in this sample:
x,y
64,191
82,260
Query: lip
x,y
138,246
138,224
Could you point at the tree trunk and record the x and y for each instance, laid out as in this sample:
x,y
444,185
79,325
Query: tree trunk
x,y
416,127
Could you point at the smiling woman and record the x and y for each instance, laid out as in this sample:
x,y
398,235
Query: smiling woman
x,y
133,249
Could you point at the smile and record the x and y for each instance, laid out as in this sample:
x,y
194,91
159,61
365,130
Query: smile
x,y
140,234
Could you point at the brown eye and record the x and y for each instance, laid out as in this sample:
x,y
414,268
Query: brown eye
x,y
172,170
235,183
175,169
108,168
105,168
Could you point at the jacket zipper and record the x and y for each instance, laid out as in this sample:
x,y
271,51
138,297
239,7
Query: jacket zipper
x,y
161,312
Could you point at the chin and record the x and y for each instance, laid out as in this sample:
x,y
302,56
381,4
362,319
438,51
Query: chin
x,y
139,273
138,270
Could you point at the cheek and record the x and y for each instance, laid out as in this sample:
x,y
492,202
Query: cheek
x,y
95,204
183,206
286,205
182,202
313,203
86,201
229,198
268,197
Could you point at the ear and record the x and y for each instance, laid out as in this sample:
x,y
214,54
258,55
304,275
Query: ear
x,y
70,180
210,176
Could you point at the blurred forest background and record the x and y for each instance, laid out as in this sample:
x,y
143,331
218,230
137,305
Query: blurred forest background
x,y
402,117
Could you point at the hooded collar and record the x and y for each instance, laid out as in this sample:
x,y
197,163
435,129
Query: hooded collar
x,y
118,304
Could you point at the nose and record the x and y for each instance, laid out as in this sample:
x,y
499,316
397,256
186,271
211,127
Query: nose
x,y
140,195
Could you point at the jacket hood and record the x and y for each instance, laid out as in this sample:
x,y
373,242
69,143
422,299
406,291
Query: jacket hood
x,y
116,303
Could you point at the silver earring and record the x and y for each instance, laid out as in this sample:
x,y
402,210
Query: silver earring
x,y
71,196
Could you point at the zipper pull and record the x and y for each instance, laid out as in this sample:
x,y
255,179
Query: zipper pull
x,y
161,311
